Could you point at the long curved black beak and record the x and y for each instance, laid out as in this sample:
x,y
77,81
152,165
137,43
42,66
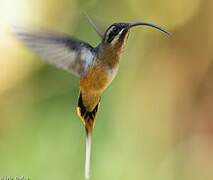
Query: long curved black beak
x,y
147,24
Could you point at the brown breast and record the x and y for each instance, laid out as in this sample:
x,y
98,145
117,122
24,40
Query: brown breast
x,y
93,84
97,78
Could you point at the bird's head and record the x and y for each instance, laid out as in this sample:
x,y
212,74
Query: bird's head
x,y
116,35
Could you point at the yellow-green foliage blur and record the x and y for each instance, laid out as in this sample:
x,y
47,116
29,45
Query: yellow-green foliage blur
x,y
156,118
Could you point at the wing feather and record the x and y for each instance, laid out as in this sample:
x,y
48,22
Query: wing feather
x,y
59,50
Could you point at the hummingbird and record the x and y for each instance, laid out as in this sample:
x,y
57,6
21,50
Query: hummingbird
x,y
95,66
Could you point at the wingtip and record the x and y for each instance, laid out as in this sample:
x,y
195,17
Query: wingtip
x,y
14,28
17,30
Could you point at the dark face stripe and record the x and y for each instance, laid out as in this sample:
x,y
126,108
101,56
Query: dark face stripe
x,y
113,31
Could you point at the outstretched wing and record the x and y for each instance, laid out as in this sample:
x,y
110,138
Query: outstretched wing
x,y
59,50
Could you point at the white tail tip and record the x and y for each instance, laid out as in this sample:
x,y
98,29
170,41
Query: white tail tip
x,y
88,152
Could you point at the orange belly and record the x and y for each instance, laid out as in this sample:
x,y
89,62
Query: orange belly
x,y
92,85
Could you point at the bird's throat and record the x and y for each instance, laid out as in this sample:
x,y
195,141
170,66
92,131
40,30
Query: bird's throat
x,y
111,55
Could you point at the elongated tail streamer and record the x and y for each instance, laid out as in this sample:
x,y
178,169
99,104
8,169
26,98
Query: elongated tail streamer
x,y
88,153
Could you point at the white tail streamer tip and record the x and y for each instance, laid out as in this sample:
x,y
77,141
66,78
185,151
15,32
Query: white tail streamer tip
x,y
88,152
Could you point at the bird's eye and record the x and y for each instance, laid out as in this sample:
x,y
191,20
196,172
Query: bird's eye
x,y
115,30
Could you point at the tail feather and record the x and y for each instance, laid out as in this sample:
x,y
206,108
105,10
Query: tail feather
x,y
88,152
88,119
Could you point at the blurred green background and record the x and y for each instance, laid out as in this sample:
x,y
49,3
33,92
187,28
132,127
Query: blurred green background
x,y
155,120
